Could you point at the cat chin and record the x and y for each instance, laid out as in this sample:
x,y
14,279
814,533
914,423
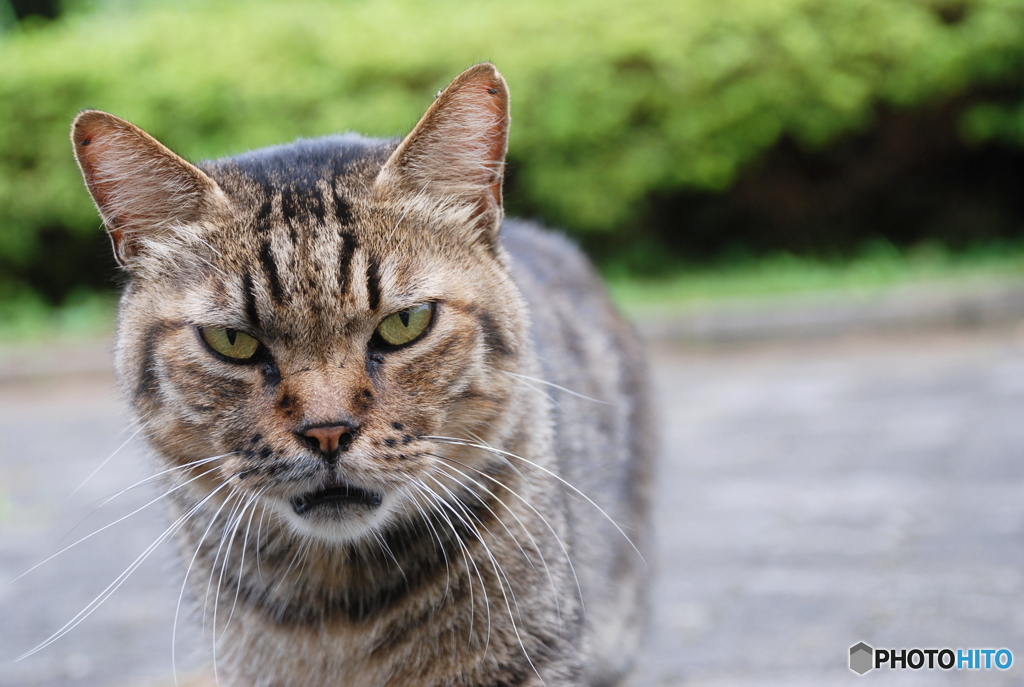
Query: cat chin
x,y
337,527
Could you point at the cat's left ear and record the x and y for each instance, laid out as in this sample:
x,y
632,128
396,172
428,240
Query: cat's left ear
x,y
456,153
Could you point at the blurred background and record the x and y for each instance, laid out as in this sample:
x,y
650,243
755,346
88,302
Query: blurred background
x,y
812,209
872,140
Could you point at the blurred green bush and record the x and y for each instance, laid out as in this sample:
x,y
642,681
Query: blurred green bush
x,y
612,101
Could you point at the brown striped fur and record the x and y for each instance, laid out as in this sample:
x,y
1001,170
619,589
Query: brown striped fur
x,y
480,567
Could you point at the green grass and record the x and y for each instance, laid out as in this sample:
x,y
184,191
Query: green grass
x,y
879,267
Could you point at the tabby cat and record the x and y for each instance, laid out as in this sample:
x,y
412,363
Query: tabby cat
x,y
402,447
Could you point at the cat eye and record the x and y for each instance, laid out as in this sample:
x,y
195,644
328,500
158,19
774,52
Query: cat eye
x,y
405,326
230,343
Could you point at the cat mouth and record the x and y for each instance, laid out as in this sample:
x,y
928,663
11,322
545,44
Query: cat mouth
x,y
337,496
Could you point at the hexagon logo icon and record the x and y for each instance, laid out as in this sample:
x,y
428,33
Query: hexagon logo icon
x,y
861,658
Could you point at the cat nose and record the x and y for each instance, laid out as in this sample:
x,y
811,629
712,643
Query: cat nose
x,y
330,439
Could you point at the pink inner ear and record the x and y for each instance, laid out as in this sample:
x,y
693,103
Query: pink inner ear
x,y
496,150
476,111
89,138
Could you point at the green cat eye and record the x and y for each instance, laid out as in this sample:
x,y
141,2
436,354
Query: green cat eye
x,y
230,343
405,326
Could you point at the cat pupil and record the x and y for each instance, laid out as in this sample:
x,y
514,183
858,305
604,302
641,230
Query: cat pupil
x,y
231,334
404,317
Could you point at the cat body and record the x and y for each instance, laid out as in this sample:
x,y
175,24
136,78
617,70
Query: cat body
x,y
404,441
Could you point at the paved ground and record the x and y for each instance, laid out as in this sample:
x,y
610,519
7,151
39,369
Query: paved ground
x,y
817,496
811,496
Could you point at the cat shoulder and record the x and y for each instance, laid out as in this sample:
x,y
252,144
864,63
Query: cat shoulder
x,y
547,259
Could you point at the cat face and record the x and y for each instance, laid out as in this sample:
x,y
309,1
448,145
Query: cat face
x,y
299,321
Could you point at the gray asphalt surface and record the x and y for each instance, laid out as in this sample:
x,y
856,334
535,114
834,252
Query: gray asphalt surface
x,y
810,496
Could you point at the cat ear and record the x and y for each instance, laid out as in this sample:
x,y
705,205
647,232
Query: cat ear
x,y
144,192
457,150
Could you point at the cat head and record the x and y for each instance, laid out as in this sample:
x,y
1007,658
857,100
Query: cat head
x,y
298,320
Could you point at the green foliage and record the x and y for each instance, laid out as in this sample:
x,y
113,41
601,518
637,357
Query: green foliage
x,y
25,317
612,101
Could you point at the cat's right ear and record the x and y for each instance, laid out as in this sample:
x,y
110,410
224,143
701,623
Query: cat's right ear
x,y
456,153
145,193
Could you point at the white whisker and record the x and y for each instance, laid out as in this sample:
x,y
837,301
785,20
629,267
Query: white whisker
x,y
440,545
533,541
181,593
109,525
101,465
552,384
498,571
141,482
558,539
231,528
467,558
116,584
496,451
438,501
213,566
245,541
259,535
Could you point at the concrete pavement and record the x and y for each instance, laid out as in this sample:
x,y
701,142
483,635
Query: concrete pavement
x,y
818,495
811,495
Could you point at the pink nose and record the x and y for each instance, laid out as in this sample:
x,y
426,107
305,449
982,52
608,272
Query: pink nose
x,y
330,438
